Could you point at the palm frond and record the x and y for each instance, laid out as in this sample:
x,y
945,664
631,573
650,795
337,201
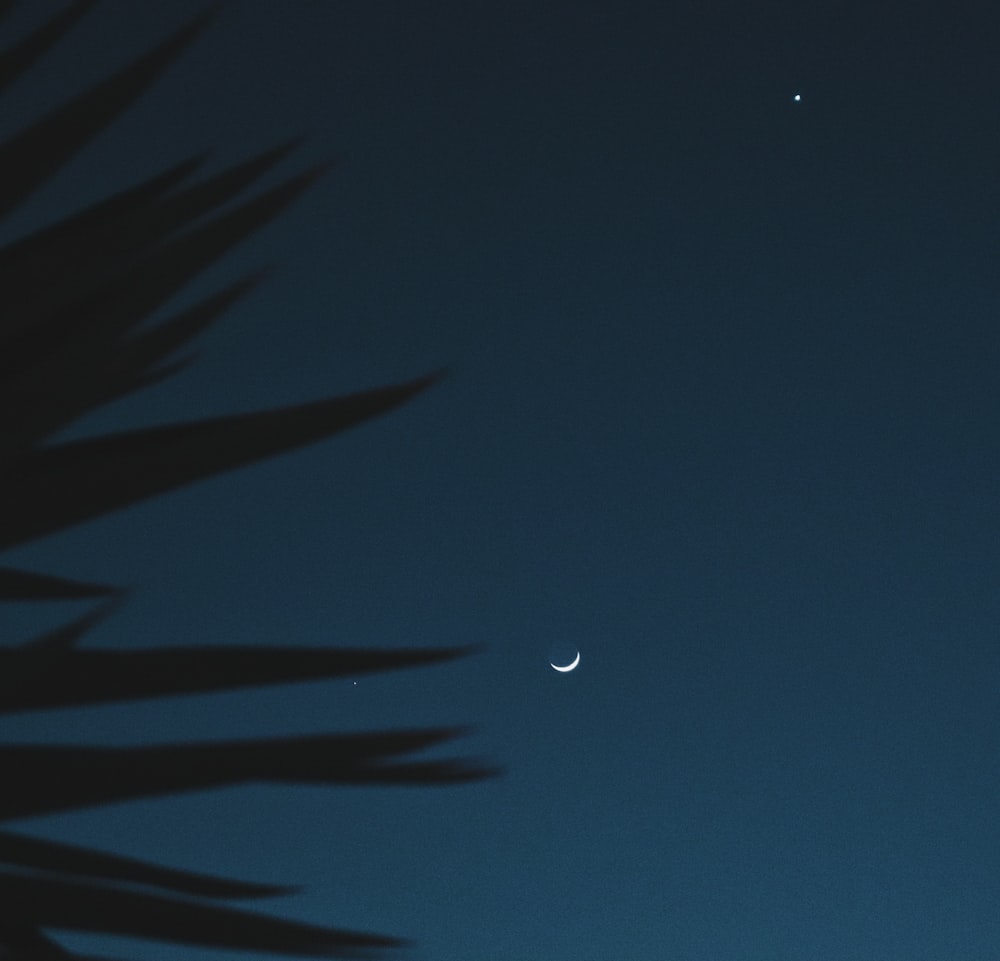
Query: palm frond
x,y
76,332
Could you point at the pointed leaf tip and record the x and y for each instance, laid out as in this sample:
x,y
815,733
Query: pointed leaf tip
x,y
69,483
18,585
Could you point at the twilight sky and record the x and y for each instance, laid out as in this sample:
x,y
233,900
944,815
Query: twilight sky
x,y
723,416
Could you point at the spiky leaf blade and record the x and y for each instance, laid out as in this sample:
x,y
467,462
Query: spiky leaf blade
x,y
63,485
43,779
36,854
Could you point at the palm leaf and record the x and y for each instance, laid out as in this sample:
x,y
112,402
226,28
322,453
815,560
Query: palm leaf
x,y
59,486
44,902
69,859
74,333
45,779
49,672
77,248
38,680
27,586
30,159
19,58
137,362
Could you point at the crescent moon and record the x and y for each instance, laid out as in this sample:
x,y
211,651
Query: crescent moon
x,y
566,668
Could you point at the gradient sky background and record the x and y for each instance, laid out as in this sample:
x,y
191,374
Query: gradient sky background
x,y
723,415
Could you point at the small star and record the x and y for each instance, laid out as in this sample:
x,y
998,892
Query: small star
x,y
797,97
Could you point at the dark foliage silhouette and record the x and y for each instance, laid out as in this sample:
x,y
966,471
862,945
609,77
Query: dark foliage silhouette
x,y
76,298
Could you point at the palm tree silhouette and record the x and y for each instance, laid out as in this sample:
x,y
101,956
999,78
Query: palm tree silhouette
x,y
76,296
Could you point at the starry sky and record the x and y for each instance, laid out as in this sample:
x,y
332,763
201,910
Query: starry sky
x,y
722,415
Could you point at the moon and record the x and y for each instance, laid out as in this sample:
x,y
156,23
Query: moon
x,y
566,668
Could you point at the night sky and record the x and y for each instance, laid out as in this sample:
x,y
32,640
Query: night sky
x,y
722,414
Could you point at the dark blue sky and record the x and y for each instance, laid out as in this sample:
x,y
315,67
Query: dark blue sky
x,y
723,415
